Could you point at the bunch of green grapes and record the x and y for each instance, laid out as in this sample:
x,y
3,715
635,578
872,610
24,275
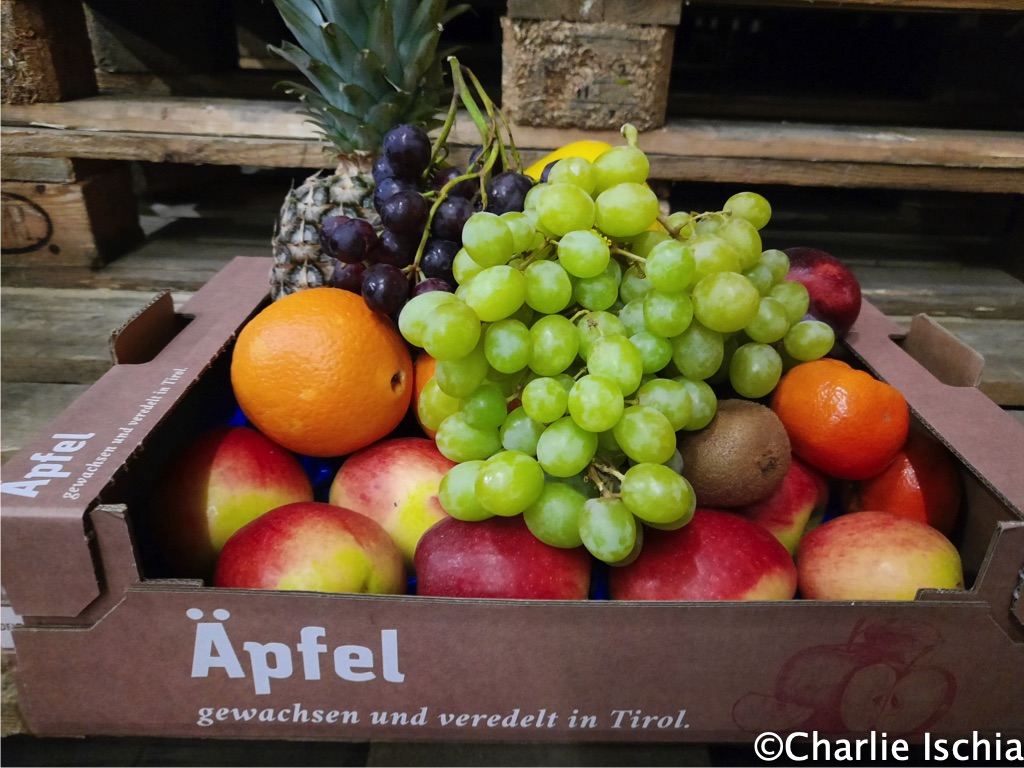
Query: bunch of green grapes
x,y
585,332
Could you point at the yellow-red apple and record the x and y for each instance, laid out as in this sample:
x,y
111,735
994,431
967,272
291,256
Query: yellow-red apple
x,y
218,482
312,546
718,555
795,507
395,482
498,558
875,556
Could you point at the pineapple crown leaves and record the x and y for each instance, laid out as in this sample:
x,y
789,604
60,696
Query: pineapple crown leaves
x,y
370,64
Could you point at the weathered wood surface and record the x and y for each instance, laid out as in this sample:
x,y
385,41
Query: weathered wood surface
x,y
277,134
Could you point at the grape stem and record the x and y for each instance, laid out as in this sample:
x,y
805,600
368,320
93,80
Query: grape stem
x,y
601,475
629,256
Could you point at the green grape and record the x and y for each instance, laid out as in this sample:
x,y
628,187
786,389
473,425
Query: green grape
x,y
564,208
464,268
565,448
522,228
595,403
754,370
509,482
667,314
532,195
698,351
777,261
809,340
583,253
725,301
574,170
452,331
708,223
635,284
615,358
745,240
595,325
507,345
680,224
626,209
731,342
457,492
620,165
487,239
670,397
458,441
554,518
749,206
761,276
485,408
656,494
545,399
704,403
675,463
460,378
608,529
601,291
645,434
415,314
670,266
771,322
433,406
525,315
632,317
712,254
794,298
495,293
554,342
548,287
641,244
655,351
520,432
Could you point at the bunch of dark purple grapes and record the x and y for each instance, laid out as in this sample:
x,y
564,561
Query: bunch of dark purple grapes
x,y
393,261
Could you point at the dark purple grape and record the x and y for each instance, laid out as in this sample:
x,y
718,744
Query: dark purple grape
x,y
388,187
546,171
382,169
407,148
405,213
395,249
450,217
327,227
432,284
437,259
349,277
467,188
385,288
506,192
349,241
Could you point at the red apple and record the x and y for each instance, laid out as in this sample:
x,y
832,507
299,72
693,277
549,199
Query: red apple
x,y
834,290
217,483
395,481
795,507
498,558
718,555
315,547
875,556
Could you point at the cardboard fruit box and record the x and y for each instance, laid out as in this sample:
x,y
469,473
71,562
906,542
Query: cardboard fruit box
x,y
108,648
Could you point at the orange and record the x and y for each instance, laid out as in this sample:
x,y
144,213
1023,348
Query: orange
x,y
922,483
321,373
423,371
841,420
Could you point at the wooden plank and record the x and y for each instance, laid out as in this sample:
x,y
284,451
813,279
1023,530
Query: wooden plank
x,y
46,51
665,12
28,407
86,223
50,169
961,6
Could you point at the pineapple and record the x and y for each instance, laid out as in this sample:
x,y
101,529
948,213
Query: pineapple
x,y
372,65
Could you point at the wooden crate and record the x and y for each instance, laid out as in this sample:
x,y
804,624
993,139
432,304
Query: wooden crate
x,y
587,65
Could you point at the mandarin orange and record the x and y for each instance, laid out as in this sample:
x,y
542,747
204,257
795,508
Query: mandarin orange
x,y
321,373
841,420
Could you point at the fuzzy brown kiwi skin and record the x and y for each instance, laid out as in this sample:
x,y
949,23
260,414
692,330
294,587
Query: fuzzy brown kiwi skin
x,y
739,458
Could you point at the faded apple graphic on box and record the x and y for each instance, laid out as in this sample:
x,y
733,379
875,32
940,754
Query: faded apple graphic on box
x,y
877,681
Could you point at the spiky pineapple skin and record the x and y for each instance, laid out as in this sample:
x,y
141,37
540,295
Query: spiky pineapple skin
x,y
299,261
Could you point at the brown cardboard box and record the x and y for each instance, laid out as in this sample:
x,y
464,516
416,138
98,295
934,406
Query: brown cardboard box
x,y
109,648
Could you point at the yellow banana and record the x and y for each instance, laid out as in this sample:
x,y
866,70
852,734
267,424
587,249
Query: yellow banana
x,y
587,149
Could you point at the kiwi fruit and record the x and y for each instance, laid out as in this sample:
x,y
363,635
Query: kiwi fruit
x,y
739,458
